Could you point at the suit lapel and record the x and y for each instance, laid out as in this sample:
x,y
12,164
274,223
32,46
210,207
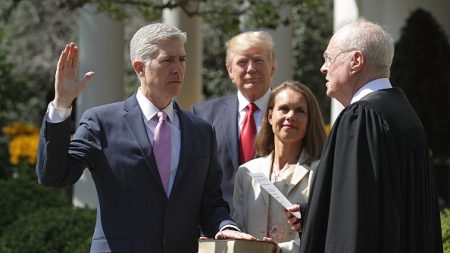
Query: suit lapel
x,y
265,167
135,121
230,123
299,173
186,137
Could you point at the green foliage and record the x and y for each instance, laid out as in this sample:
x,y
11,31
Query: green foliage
x,y
112,7
221,16
445,225
50,230
216,82
421,67
264,15
20,196
33,47
34,31
12,96
313,26
224,14
150,13
11,87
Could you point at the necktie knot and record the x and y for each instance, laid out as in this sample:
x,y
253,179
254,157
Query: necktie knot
x,y
251,107
162,116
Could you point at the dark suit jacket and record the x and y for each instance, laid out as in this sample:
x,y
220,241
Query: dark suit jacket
x,y
222,113
134,213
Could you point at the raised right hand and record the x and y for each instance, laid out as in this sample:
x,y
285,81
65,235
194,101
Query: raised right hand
x,y
67,85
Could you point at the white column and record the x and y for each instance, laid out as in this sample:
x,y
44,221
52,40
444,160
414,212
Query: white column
x,y
344,10
192,86
282,37
101,51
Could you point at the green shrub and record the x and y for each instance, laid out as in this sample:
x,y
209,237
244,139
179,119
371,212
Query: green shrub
x,y
19,197
445,224
54,230
421,67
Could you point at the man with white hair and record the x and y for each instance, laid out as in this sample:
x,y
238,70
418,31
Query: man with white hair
x,y
154,165
375,188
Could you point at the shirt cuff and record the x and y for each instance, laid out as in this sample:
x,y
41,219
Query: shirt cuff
x,y
57,115
231,227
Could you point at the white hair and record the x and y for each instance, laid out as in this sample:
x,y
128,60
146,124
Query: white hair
x,y
145,41
372,40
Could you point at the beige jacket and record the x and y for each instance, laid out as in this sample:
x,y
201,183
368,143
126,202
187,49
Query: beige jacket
x,y
251,201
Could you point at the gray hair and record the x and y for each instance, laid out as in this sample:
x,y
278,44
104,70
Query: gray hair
x,y
248,40
144,43
372,40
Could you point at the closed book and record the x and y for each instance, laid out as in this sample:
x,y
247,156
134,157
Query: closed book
x,y
237,246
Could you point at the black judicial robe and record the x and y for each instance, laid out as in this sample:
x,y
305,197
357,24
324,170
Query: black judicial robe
x,y
375,187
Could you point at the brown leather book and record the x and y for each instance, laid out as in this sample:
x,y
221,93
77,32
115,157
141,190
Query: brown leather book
x,y
237,246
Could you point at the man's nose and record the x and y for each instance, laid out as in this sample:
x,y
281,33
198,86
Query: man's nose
x,y
324,68
178,66
251,67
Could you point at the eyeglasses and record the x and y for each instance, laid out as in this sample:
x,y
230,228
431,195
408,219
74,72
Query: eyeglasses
x,y
330,60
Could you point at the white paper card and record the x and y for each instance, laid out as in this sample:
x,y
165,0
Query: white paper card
x,y
273,191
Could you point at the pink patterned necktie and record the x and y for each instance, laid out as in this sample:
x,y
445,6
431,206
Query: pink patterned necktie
x,y
162,148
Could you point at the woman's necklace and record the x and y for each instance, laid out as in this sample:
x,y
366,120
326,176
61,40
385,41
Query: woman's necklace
x,y
275,174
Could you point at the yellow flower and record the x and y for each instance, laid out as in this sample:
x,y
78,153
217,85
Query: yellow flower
x,y
327,129
24,142
18,128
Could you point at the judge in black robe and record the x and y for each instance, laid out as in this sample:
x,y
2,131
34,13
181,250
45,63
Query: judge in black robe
x,y
375,188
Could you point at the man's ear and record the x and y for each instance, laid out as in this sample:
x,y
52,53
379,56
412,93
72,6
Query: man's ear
x,y
230,71
357,62
273,70
138,67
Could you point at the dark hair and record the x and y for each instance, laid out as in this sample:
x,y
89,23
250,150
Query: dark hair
x,y
315,133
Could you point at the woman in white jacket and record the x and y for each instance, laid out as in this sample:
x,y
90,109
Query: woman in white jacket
x,y
288,145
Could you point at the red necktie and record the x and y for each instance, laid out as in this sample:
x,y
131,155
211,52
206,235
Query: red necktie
x,y
248,133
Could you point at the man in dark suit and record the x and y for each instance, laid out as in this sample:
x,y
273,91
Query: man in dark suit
x,y
154,165
251,65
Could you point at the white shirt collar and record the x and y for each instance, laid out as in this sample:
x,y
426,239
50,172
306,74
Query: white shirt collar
x,y
260,103
150,110
372,86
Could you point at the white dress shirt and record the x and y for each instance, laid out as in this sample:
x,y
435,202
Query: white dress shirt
x,y
377,84
258,114
149,110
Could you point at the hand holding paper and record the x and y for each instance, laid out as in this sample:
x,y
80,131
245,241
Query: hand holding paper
x,y
274,192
